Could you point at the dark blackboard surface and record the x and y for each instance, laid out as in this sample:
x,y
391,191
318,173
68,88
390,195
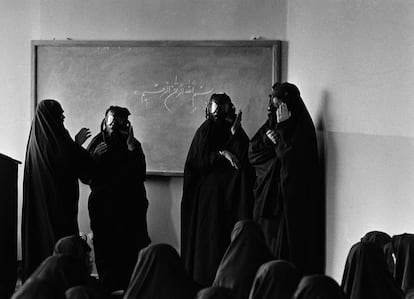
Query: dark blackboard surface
x,y
164,84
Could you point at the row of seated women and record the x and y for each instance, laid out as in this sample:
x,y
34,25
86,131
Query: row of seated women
x,y
247,271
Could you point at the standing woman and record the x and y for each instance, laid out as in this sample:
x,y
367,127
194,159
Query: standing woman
x,y
118,201
217,189
54,162
288,202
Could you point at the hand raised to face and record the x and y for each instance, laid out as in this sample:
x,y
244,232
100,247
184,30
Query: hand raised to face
x,y
130,140
236,123
282,113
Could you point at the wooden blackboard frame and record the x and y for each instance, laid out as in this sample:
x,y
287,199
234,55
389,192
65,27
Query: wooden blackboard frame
x,y
274,45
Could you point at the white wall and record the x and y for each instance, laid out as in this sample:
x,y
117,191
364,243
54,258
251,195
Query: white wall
x,y
16,32
354,63
22,21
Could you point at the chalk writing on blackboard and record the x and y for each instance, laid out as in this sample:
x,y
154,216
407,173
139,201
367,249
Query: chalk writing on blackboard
x,y
169,92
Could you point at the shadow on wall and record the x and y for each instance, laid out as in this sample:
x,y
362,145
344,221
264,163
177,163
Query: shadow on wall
x,y
327,158
163,217
284,61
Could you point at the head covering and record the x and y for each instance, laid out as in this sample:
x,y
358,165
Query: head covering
x,y
61,271
290,94
383,240
275,279
366,274
319,287
245,254
221,99
377,237
114,123
119,111
78,248
82,292
73,245
214,293
35,288
159,273
403,247
48,124
48,139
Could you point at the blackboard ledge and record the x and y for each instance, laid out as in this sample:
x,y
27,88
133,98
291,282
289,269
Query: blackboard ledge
x,y
165,173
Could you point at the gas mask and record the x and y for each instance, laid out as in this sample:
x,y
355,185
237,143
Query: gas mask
x,y
220,108
116,126
276,98
117,123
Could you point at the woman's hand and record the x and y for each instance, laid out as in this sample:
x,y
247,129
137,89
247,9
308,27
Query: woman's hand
x,y
273,136
100,149
237,123
82,136
282,113
130,140
231,158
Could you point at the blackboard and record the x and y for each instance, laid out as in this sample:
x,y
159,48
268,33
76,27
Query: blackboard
x,y
164,84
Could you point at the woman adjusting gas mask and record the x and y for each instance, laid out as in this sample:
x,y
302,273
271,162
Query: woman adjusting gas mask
x,y
221,108
116,126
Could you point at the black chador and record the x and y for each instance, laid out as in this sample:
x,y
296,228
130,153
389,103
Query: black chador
x,y
217,189
54,162
288,202
118,203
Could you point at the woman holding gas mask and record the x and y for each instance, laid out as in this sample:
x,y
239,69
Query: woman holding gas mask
x,y
217,189
288,202
118,203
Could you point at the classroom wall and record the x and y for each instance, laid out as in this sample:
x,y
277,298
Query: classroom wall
x,y
354,63
352,60
118,20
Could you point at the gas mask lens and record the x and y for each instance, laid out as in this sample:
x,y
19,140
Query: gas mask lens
x,y
219,110
117,123
110,119
276,102
214,108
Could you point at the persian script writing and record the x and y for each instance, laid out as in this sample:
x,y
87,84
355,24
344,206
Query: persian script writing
x,y
173,92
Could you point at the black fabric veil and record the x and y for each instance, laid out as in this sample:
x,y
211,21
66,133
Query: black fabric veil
x,y
60,271
384,241
245,254
53,164
403,247
288,202
378,237
214,293
84,292
215,197
72,245
319,287
275,279
160,273
36,288
366,274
